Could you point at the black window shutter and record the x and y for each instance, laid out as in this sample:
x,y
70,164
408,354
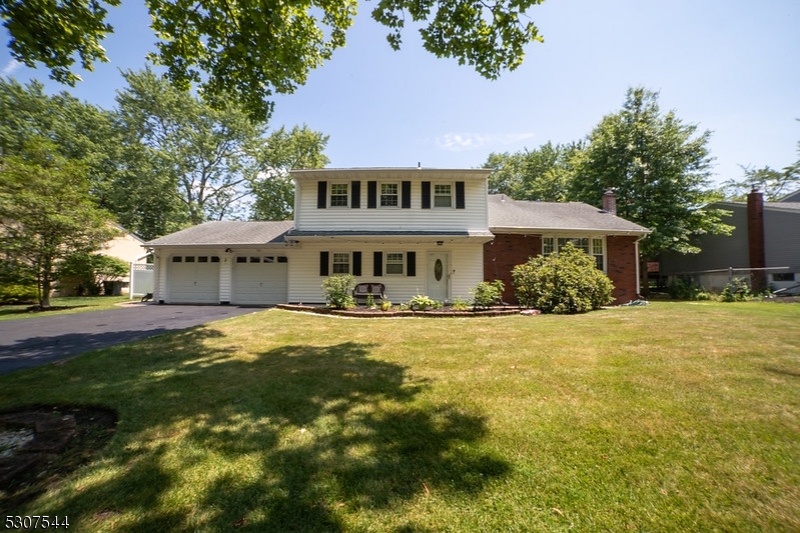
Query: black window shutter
x,y
322,195
323,263
426,195
406,193
355,190
372,194
411,267
460,200
356,263
377,264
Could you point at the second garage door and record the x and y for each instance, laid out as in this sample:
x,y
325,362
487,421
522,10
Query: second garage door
x,y
260,280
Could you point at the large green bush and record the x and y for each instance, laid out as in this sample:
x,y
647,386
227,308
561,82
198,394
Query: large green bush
x,y
339,291
566,282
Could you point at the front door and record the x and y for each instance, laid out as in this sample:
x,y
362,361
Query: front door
x,y
439,276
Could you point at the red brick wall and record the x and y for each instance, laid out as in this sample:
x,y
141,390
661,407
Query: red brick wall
x,y
621,267
506,251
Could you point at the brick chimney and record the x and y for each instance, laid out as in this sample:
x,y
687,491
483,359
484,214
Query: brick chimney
x,y
610,202
755,240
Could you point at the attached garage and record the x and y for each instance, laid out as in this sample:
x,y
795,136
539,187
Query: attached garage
x,y
260,279
193,279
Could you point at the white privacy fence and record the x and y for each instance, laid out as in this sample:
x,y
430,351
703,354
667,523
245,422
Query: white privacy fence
x,y
142,276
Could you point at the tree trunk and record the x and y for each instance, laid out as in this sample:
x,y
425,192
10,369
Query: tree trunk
x,y
644,281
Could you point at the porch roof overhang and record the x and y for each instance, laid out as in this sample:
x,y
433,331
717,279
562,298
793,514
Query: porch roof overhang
x,y
476,236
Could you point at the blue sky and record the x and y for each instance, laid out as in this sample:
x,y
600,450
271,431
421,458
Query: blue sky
x,y
727,66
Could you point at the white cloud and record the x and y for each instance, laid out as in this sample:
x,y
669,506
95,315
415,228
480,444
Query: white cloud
x,y
10,67
462,142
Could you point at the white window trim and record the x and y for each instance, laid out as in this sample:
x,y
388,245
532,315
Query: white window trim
x,y
580,236
331,195
386,264
332,270
399,194
452,195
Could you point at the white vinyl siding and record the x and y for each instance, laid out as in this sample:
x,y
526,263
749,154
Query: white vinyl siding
x,y
474,217
465,259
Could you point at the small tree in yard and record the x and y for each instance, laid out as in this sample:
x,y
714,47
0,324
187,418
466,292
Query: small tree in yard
x,y
339,291
566,282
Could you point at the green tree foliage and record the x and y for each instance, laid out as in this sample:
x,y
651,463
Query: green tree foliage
x,y
543,174
773,183
659,171
88,271
273,188
201,163
565,282
252,49
46,212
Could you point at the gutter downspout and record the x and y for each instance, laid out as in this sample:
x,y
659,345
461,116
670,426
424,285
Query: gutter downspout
x,y
638,262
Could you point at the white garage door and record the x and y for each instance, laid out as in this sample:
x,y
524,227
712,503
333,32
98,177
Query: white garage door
x,y
260,280
193,279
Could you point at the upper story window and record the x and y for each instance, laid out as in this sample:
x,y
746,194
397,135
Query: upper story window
x,y
339,195
390,195
442,195
592,246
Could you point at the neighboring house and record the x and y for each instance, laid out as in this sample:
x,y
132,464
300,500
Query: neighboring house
x,y
419,231
764,246
127,247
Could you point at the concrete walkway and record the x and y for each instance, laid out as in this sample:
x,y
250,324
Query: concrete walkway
x,y
30,342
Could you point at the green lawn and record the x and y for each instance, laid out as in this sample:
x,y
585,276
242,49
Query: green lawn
x,y
63,306
671,417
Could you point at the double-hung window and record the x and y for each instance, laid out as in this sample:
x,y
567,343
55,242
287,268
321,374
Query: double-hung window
x,y
394,263
591,246
341,263
339,195
442,195
390,194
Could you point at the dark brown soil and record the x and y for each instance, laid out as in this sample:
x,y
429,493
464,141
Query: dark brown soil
x,y
65,437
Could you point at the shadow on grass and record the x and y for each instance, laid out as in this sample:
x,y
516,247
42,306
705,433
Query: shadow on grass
x,y
285,441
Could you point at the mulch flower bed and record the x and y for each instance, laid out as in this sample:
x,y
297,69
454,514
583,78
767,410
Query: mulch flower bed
x,y
365,312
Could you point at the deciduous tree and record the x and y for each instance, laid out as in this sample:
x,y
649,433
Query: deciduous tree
x,y
659,168
542,174
46,211
252,49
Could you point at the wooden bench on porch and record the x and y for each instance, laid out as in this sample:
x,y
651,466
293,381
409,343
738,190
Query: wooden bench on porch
x,y
363,291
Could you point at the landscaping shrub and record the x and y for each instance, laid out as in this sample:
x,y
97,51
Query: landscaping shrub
x,y
18,294
422,303
566,282
487,293
338,291
682,290
736,290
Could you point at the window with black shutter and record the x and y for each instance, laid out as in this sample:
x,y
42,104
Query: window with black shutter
x,y
324,259
356,263
322,194
372,194
377,264
406,195
460,196
355,192
411,263
426,195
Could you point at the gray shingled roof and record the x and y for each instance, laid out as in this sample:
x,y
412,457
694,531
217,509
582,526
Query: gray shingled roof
x,y
389,233
227,232
508,214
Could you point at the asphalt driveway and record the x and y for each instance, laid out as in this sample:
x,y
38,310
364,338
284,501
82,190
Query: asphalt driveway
x,y
32,342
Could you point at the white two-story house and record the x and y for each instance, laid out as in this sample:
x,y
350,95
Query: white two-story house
x,y
418,231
